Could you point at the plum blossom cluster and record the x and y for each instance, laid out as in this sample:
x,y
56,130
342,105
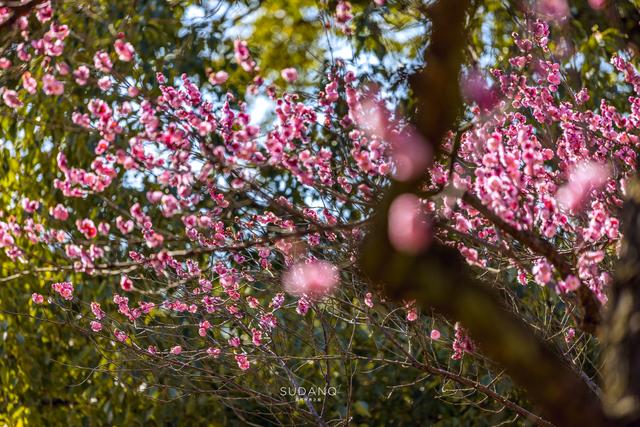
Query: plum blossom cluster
x,y
563,185
199,188
65,289
46,45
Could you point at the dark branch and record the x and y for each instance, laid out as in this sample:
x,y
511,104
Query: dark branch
x,y
441,279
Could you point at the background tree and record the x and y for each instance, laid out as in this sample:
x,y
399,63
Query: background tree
x,y
317,202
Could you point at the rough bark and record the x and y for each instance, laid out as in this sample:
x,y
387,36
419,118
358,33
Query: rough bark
x,y
621,332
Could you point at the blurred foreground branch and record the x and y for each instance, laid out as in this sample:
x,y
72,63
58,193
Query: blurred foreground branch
x,y
441,279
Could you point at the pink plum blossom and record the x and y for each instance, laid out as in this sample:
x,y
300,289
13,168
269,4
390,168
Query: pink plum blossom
x,y
120,335
65,289
44,12
570,284
81,75
97,311
126,284
343,12
102,62
243,361
124,49
30,206
87,227
214,352
96,326
218,78
313,279
409,230
583,178
52,86
243,56
29,83
10,98
289,74
368,300
256,337
554,9
105,83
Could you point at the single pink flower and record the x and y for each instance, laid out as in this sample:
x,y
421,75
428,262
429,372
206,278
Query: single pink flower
x,y
10,97
582,180
570,284
65,289
29,83
243,361
59,212
570,335
409,230
30,206
87,227
120,336
554,9
124,50
243,56
126,284
44,12
597,4
97,311
81,75
102,61
368,300
218,77
542,272
63,68
313,279
214,352
52,86
103,228
289,74
256,336
343,12
105,83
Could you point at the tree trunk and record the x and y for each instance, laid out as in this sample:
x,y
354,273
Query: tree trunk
x,y
621,332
